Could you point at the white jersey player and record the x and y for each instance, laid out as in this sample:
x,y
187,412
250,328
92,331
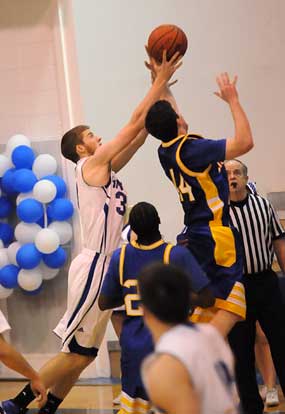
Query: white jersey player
x,y
192,369
102,203
101,212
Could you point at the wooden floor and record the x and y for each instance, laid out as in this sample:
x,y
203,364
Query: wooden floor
x,y
84,399
94,399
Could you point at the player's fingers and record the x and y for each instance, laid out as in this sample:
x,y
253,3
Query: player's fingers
x,y
219,81
172,83
146,49
235,80
218,94
147,65
225,78
164,59
178,64
175,58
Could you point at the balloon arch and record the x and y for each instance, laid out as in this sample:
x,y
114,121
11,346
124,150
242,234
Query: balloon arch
x,y
32,251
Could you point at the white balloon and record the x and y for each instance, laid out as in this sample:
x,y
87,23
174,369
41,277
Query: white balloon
x,y
4,164
4,259
44,191
47,241
63,229
4,292
26,232
23,196
12,251
47,272
15,141
44,164
30,279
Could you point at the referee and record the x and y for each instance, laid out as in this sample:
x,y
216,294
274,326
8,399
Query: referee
x,y
262,236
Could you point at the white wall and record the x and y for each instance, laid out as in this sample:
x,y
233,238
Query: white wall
x,y
240,36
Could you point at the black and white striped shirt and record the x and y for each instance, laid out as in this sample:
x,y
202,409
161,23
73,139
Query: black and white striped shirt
x,y
258,225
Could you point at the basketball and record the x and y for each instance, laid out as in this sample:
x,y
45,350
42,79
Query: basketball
x,y
167,37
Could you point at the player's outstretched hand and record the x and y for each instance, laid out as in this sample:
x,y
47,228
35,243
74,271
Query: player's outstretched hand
x,y
39,391
149,66
165,70
228,91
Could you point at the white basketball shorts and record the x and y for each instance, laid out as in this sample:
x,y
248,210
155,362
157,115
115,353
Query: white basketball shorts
x,y
83,325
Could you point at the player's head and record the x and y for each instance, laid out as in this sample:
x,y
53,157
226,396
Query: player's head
x,y
237,176
144,221
165,293
79,142
161,121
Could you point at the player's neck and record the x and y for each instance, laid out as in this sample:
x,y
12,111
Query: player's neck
x,y
158,328
149,240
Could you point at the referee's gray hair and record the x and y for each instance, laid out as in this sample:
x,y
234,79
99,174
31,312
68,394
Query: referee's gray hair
x,y
244,167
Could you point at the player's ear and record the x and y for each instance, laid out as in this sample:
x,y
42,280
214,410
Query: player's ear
x,y
80,149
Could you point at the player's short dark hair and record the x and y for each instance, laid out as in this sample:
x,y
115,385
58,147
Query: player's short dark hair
x,y
144,220
165,292
69,141
161,121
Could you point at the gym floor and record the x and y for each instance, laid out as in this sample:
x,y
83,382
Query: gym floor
x,y
92,399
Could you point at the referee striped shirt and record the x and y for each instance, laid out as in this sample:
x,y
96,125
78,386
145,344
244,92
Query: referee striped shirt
x,y
258,225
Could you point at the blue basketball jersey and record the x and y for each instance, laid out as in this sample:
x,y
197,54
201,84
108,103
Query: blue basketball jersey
x,y
126,263
192,163
136,341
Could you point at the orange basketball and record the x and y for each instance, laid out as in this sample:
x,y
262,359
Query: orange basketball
x,y
167,37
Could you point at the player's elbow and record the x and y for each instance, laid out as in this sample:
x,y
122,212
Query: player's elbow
x,y
204,298
249,145
102,303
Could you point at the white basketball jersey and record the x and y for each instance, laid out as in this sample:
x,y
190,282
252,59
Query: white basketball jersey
x,y
209,361
101,211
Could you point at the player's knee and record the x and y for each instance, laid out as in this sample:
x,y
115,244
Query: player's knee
x,y
81,361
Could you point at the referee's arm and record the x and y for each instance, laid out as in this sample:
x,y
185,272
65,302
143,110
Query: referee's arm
x,y
279,249
278,236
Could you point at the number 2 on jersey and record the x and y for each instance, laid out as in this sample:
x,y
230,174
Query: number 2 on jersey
x,y
132,298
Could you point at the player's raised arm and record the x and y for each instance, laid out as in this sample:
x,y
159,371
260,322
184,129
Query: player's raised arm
x,y
108,151
242,141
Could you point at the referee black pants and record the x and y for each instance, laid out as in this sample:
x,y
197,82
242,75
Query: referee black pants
x,y
264,304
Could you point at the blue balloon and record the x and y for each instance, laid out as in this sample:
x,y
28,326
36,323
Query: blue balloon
x,y
9,276
59,183
7,182
6,207
24,180
33,292
55,259
28,256
60,209
6,233
30,210
23,157
41,221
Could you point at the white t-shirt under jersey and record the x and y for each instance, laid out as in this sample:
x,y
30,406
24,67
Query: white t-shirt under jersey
x,y
101,211
209,361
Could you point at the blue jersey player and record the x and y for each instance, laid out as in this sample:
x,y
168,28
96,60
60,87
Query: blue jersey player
x,y
120,286
194,165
